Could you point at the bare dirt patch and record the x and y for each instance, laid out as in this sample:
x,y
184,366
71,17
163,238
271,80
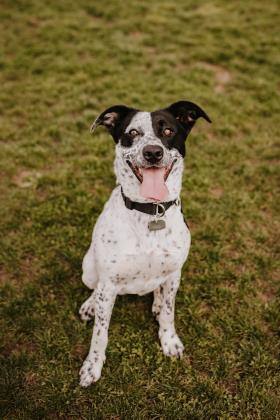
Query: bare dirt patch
x,y
26,179
222,75
217,192
27,268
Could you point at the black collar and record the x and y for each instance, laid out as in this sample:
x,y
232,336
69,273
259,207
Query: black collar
x,y
148,208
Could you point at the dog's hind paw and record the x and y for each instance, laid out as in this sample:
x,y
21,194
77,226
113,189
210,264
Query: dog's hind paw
x,y
156,311
87,309
90,372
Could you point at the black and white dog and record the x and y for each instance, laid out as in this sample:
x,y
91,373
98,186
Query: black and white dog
x,y
140,241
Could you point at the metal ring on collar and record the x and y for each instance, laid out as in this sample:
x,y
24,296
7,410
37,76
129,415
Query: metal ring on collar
x,y
159,207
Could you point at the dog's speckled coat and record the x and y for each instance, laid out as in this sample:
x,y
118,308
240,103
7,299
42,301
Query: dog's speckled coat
x,y
125,256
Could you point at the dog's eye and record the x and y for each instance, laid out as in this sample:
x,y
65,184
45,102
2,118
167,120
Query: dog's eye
x,y
133,133
168,132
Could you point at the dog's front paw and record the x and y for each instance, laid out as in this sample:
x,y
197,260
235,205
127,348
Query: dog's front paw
x,y
90,372
171,344
87,310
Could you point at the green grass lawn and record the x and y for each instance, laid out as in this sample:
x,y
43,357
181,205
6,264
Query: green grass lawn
x,y
62,63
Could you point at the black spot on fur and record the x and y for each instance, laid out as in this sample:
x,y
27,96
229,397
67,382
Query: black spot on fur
x,y
180,117
120,118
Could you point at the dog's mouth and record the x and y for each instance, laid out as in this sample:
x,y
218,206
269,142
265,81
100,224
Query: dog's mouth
x,y
152,180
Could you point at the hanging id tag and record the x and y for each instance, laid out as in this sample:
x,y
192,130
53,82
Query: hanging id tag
x,y
158,223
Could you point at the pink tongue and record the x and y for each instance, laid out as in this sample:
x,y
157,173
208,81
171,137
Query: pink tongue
x,y
153,185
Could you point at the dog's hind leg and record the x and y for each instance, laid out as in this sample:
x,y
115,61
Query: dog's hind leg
x,y
90,279
170,342
87,309
90,275
158,295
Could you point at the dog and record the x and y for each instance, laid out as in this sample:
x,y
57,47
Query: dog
x,y
140,241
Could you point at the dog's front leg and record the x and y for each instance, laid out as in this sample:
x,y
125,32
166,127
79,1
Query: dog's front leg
x,y
170,342
104,299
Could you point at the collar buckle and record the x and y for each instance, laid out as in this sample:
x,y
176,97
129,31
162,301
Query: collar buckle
x,y
177,202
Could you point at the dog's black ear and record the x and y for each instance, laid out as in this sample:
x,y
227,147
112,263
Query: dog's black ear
x,y
112,118
187,113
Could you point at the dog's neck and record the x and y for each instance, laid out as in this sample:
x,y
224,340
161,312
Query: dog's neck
x,y
130,184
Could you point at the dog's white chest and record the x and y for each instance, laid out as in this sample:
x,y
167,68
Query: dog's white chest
x,y
148,271
136,259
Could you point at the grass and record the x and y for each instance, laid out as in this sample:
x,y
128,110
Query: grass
x,y
61,64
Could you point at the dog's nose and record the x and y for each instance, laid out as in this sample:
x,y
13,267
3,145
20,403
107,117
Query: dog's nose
x,y
153,153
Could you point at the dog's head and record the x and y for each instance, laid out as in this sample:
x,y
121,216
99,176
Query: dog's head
x,y
150,147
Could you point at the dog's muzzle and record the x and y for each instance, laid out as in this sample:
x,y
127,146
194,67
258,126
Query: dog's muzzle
x,y
138,171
